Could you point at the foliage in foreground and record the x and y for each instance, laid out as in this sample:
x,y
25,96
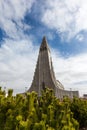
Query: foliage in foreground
x,y
79,109
32,113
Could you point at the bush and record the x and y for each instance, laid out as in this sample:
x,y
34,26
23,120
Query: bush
x,y
31,112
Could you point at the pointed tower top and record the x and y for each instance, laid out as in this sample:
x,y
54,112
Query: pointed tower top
x,y
44,45
44,38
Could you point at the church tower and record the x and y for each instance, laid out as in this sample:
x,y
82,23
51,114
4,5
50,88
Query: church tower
x,y
44,75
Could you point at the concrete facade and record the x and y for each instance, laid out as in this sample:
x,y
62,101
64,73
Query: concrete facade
x,y
44,75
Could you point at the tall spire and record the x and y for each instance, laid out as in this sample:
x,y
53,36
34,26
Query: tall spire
x,y
44,75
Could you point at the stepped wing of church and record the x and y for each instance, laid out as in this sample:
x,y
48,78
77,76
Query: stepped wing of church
x,y
44,75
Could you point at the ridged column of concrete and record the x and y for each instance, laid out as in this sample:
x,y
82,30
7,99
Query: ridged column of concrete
x,y
44,75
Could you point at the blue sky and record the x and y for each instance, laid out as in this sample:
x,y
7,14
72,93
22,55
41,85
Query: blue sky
x,y
23,23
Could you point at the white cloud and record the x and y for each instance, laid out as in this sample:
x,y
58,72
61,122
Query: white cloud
x,y
15,55
12,13
72,72
17,63
80,37
68,17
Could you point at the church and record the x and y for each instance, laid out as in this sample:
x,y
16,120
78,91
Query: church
x,y
44,75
